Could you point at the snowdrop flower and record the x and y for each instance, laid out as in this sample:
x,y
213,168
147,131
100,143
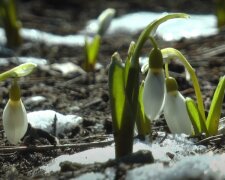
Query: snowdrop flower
x,y
14,116
175,110
154,86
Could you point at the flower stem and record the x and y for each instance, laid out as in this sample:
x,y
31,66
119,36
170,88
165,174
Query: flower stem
x,y
191,70
153,41
167,70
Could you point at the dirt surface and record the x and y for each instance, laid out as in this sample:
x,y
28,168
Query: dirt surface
x,y
65,93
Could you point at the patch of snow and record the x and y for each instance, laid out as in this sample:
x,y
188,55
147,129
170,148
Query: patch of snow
x,y
20,60
47,38
38,61
109,174
195,26
4,62
92,176
175,29
67,68
193,167
45,120
84,157
221,129
52,39
177,145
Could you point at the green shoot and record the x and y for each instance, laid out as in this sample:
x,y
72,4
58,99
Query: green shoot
x,y
10,23
91,49
220,13
197,121
142,122
215,108
122,115
92,46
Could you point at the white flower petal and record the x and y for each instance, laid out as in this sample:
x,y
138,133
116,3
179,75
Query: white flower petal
x,y
176,114
154,94
14,121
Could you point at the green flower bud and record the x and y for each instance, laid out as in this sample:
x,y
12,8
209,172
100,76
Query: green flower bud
x,y
155,59
171,85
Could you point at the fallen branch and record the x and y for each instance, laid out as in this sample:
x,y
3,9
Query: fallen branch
x,y
11,149
210,139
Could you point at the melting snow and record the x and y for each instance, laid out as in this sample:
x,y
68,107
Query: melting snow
x,y
195,26
175,29
177,145
192,167
45,120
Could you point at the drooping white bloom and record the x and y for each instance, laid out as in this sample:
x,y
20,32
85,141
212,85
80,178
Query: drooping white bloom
x,y
14,121
154,93
14,116
176,114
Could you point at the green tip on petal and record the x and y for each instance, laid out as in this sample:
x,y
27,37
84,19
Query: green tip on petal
x,y
171,84
155,59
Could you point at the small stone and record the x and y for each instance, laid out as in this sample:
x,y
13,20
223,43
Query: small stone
x,y
141,156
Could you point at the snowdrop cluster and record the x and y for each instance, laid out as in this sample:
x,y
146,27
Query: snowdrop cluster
x,y
161,95
133,105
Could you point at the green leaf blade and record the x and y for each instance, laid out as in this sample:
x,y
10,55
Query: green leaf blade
x,y
116,91
215,108
19,71
142,122
150,31
127,62
93,49
195,117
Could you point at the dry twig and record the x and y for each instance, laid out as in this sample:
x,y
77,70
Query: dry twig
x,y
10,149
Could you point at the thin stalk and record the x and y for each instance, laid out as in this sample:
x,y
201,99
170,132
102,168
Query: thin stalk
x,y
151,28
172,51
167,70
153,41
